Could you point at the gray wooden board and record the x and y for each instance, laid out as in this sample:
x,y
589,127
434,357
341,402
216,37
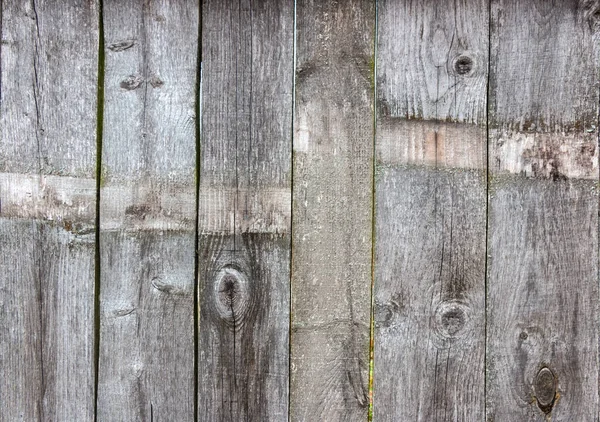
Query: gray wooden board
x,y
47,209
542,345
332,210
244,210
429,315
148,211
542,299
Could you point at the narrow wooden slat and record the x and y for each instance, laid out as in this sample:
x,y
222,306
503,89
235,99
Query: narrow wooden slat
x,y
47,209
147,211
542,353
244,210
430,211
332,209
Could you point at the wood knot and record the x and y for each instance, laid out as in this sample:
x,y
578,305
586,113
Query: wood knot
x,y
464,65
137,210
121,45
451,318
156,82
231,295
591,12
385,313
544,387
131,82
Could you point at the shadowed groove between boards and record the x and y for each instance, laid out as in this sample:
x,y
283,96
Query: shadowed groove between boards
x,y
198,134
99,134
487,208
373,223
293,119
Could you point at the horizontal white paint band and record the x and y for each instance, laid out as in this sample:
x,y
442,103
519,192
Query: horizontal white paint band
x,y
147,206
455,145
430,143
47,197
545,155
266,210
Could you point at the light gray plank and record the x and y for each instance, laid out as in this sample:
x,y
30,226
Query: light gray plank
x,y
244,210
332,227
48,82
148,211
430,207
542,348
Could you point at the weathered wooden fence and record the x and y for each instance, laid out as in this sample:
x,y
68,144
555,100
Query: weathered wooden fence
x,y
328,210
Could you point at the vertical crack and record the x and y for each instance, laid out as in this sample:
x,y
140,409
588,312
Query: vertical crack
x,y
39,227
146,6
36,87
40,275
231,297
237,107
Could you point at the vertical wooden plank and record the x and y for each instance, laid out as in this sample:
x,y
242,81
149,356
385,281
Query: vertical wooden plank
x,y
47,209
244,210
542,349
148,211
332,209
430,211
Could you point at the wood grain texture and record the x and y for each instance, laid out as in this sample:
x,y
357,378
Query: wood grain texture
x,y
430,211
542,347
47,142
332,209
148,212
244,210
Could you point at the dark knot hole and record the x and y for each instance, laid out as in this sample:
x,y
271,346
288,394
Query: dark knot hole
x,y
463,65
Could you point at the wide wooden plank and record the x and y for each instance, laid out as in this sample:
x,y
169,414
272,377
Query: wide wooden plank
x,y
542,347
148,211
244,210
430,207
332,225
48,82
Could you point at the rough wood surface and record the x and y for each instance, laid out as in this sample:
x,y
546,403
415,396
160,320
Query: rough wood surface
x,y
332,210
47,209
244,210
148,212
542,348
430,211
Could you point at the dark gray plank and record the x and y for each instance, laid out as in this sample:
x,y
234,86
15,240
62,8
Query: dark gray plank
x,y
332,227
47,209
148,211
244,210
542,348
430,206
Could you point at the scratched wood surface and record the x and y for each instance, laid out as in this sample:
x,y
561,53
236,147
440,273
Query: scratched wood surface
x,y
244,210
333,178
47,197
430,205
542,346
148,211
440,156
